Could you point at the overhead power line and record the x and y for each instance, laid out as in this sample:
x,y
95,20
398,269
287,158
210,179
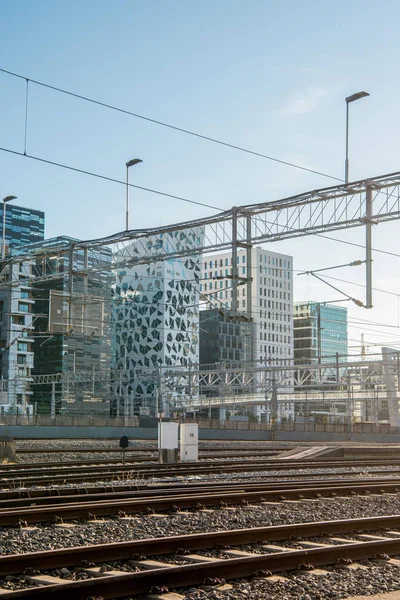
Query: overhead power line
x,y
168,125
166,194
106,178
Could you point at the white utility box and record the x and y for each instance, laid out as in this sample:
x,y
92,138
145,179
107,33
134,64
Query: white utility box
x,y
168,442
189,442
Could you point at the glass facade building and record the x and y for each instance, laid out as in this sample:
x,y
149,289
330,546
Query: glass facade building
x,y
320,332
23,225
225,338
72,326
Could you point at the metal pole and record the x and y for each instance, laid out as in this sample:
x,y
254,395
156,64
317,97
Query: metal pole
x,y
274,409
346,164
249,273
53,400
119,395
368,246
3,250
127,200
234,263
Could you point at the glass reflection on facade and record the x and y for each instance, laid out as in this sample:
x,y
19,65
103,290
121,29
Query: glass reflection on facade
x,y
320,332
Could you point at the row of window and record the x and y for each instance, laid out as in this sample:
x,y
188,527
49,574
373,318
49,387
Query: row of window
x,y
275,337
280,350
274,294
270,260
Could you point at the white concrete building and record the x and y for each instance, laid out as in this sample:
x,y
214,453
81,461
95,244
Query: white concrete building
x,y
272,298
156,323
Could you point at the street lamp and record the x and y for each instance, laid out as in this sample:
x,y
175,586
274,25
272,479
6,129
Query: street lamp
x,y
131,163
5,200
349,99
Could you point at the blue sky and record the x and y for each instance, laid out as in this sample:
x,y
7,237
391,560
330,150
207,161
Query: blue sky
x,y
268,75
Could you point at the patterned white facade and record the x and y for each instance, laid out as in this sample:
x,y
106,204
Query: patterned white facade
x,y
272,298
156,322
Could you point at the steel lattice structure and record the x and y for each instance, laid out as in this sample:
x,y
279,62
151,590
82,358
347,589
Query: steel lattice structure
x,y
361,203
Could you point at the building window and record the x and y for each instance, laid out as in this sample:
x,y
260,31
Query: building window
x,y
18,320
23,307
21,359
22,347
243,258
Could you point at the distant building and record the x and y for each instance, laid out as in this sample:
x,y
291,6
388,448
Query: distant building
x,y
23,226
272,298
320,336
156,323
225,338
71,323
320,332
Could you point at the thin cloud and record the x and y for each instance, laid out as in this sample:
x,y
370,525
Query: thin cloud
x,y
305,101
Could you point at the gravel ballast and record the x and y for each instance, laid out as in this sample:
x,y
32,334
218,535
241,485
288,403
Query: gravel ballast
x,y
47,537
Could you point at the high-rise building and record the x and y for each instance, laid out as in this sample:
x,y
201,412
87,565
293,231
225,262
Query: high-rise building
x,y
71,322
23,225
320,332
272,298
156,322
225,338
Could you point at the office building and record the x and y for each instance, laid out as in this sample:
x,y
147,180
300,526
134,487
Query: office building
x,y
23,225
320,336
225,338
272,298
156,323
71,322
320,332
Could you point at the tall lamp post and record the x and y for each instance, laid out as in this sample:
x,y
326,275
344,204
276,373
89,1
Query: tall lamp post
x,y
5,200
131,163
349,99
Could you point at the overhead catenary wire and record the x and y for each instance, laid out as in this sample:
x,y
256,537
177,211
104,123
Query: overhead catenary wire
x,y
106,178
167,125
166,194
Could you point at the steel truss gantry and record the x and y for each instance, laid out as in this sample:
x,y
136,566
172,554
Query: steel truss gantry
x,y
246,378
360,203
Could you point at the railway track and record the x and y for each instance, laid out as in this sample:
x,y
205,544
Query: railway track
x,y
160,500
150,457
153,448
40,497
12,476
264,556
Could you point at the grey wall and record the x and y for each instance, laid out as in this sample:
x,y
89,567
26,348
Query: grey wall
x,y
147,433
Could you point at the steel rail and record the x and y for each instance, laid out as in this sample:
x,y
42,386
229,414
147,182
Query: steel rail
x,y
32,494
93,510
165,492
153,470
131,459
217,449
66,557
29,469
120,585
